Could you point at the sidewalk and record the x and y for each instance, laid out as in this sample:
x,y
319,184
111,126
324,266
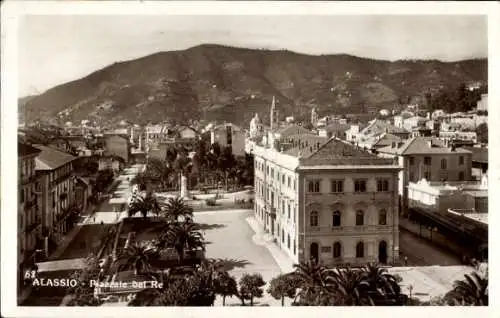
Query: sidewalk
x,y
261,238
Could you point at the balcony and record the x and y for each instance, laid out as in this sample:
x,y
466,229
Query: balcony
x,y
350,229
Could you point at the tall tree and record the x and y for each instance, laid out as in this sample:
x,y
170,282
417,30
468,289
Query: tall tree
x,y
284,285
225,285
251,287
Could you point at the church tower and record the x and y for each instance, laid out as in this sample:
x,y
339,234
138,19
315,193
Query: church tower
x,y
274,115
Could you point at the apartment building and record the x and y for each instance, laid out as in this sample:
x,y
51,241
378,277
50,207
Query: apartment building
x,y
329,201
55,185
29,216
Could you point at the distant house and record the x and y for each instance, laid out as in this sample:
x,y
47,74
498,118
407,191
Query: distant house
x,y
386,139
370,134
334,129
229,135
185,132
429,158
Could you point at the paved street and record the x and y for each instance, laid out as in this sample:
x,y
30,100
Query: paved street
x,y
421,252
230,238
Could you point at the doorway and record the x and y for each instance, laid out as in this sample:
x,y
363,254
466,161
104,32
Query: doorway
x,y
382,252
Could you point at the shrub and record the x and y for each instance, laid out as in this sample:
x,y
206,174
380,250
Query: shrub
x,y
211,202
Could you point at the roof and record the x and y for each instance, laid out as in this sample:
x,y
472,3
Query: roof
x,y
377,127
50,158
223,126
292,129
386,140
24,150
339,152
420,145
336,127
478,154
308,143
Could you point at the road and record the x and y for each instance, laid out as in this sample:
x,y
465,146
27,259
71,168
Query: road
x,y
421,252
229,238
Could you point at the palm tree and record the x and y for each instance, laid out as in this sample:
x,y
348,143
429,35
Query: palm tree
x,y
177,207
182,236
348,285
380,285
311,277
137,257
143,205
472,291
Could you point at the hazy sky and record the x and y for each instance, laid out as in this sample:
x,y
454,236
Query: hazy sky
x,y
57,49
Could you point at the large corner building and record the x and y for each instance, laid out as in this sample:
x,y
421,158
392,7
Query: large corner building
x,y
332,202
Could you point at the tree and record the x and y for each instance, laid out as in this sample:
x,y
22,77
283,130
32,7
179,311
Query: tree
x,y
251,287
482,133
226,163
159,171
182,236
472,291
176,207
225,285
284,285
143,205
138,257
348,285
83,294
380,286
311,277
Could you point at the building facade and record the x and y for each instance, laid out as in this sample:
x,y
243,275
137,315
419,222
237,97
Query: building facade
x,y
29,216
56,186
334,203
229,135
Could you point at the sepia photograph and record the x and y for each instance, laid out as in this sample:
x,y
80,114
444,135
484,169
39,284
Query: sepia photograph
x,y
248,160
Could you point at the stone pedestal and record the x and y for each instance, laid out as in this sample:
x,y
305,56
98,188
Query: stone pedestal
x,y
184,188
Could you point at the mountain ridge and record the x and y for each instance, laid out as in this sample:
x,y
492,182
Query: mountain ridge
x,y
212,81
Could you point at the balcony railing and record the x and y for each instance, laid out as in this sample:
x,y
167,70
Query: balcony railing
x,y
358,196
350,229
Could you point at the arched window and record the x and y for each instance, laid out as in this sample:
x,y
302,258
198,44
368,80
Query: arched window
x,y
382,217
360,215
443,164
282,236
288,241
314,218
336,218
337,250
360,250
